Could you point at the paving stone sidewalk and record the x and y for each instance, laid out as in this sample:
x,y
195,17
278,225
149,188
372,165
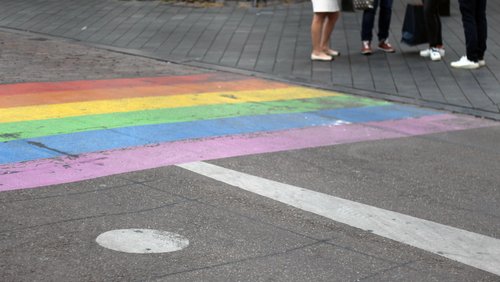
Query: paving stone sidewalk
x,y
274,42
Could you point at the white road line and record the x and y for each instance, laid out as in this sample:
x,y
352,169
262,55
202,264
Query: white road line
x,y
470,248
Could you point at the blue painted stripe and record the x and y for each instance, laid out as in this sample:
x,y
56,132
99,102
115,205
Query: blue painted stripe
x,y
102,140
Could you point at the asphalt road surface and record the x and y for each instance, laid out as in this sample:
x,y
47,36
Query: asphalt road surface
x,y
121,168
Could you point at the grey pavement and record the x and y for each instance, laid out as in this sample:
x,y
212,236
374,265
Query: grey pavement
x,y
274,42
48,233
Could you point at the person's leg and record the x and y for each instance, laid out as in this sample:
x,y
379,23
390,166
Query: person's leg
x,y
367,24
439,42
316,30
317,24
432,22
468,11
384,19
367,29
329,25
482,28
433,28
384,22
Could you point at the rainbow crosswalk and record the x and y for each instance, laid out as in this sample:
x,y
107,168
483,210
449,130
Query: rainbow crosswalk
x,y
60,132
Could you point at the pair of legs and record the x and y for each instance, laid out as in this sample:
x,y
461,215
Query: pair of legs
x,y
433,23
322,27
384,20
475,28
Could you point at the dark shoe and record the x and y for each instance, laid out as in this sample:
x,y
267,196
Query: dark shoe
x,y
366,49
385,46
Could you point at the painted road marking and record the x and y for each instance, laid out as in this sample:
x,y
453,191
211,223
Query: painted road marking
x,y
51,111
60,132
470,248
37,128
142,241
77,142
83,92
69,86
50,171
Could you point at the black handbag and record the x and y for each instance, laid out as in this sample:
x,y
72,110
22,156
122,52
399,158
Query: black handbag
x,y
347,6
414,32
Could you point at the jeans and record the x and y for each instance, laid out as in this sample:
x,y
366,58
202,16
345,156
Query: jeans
x,y
384,20
433,22
475,27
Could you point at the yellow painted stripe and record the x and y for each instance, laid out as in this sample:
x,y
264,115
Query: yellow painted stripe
x,y
151,103
27,99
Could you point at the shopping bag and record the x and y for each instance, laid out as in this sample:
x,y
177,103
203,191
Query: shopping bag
x,y
362,4
353,5
414,32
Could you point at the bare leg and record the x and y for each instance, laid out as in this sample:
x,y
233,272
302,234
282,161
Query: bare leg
x,y
317,25
328,26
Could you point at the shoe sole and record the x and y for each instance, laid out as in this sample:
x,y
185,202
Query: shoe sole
x,y
321,59
387,51
427,56
367,53
334,54
466,67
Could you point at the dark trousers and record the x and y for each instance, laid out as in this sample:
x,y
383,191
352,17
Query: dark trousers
x,y
433,22
475,27
384,20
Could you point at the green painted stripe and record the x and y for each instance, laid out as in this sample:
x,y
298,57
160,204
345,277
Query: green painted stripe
x,y
38,128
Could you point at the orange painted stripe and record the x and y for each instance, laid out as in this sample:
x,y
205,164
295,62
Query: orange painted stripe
x,y
41,87
67,96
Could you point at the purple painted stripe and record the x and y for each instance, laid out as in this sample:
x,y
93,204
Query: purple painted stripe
x,y
65,169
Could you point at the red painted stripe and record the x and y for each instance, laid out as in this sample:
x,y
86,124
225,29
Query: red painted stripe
x,y
41,87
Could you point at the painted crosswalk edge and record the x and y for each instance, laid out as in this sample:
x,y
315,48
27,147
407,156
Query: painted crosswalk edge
x,y
470,248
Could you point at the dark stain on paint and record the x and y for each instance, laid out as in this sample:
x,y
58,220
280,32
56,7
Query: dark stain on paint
x,y
9,172
43,146
230,96
38,39
10,135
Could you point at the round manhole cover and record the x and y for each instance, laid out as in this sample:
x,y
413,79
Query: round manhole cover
x,y
142,241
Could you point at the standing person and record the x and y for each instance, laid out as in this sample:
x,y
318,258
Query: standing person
x,y
475,28
326,14
384,22
433,27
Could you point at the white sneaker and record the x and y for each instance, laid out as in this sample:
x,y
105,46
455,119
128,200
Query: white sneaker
x,y
464,63
481,63
427,52
435,54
